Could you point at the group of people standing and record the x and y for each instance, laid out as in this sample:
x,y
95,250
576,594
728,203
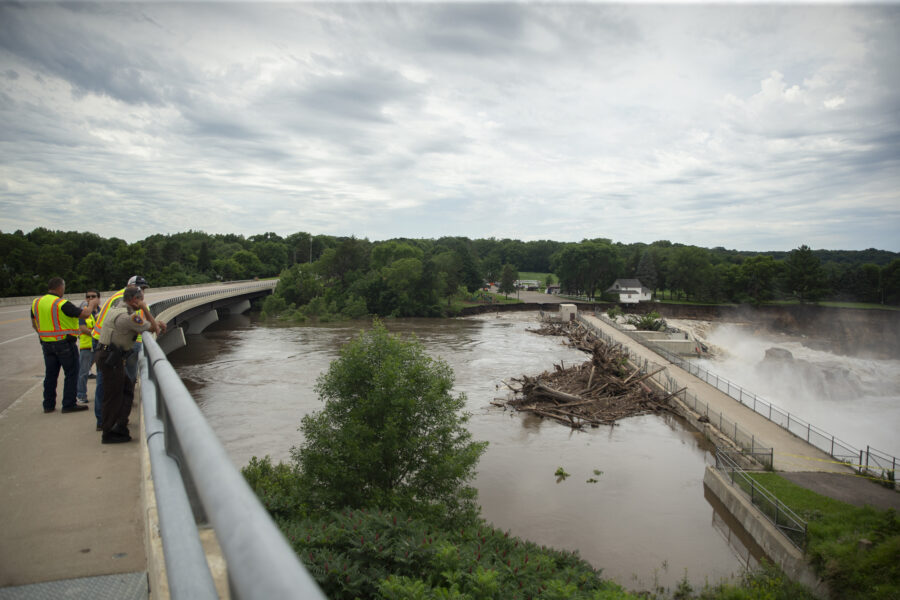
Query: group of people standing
x,y
73,338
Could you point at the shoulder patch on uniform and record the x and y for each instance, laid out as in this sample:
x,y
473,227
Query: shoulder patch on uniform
x,y
137,319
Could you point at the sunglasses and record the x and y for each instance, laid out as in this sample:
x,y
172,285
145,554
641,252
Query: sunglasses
x,y
89,296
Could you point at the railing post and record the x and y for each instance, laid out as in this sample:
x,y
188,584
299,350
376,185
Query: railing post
x,y
832,445
808,427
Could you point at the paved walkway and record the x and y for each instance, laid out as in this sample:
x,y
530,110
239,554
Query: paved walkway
x,y
799,461
791,453
70,507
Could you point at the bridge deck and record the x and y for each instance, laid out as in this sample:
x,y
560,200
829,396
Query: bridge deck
x,y
70,507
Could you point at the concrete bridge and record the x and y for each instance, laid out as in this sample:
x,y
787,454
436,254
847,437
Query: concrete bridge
x,y
78,519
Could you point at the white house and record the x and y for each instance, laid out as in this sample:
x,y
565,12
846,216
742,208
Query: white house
x,y
631,291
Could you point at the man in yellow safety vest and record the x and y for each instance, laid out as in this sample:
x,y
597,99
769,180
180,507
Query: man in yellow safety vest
x,y
86,345
55,320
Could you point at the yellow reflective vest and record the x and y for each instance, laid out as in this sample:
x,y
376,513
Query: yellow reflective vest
x,y
85,339
101,316
51,323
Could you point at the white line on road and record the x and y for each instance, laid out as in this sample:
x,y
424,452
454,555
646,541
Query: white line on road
x,y
16,339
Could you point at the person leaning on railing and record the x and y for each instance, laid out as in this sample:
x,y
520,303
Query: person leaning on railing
x,y
55,320
123,323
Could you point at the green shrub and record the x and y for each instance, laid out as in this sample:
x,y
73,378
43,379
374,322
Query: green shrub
x,y
391,434
277,486
648,322
366,554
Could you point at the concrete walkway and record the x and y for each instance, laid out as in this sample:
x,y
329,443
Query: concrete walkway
x,y
791,452
70,507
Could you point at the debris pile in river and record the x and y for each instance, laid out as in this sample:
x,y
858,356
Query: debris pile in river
x,y
597,392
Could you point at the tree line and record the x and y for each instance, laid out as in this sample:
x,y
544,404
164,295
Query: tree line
x,y
420,277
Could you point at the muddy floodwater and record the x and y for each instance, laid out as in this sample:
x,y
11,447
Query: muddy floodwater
x,y
645,521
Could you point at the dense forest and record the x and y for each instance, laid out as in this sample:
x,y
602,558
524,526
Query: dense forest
x,y
420,277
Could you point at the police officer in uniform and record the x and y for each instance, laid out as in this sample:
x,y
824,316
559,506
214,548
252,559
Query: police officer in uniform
x,y
55,320
123,323
131,366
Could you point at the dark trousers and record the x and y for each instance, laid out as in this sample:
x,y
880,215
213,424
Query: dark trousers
x,y
118,394
62,354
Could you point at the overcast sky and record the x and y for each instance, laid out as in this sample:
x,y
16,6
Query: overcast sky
x,y
754,127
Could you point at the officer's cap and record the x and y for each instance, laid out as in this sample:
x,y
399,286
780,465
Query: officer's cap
x,y
138,281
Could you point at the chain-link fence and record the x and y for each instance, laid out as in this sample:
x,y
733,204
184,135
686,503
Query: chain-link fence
x,y
778,513
745,440
877,463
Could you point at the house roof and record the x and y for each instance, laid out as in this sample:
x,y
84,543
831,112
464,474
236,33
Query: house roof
x,y
622,284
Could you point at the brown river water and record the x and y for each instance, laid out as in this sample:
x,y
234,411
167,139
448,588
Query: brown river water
x,y
645,522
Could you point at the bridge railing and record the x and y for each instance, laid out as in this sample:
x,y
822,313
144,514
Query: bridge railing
x,y
195,481
874,462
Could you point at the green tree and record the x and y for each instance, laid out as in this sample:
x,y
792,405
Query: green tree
x,y
646,271
250,265
391,434
449,266
508,279
890,280
689,266
756,278
803,275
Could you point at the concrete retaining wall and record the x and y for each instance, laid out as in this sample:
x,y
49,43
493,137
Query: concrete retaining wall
x,y
776,546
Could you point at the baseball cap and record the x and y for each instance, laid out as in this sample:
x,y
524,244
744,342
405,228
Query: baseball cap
x,y
138,281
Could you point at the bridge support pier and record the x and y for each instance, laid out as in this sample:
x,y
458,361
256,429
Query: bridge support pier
x,y
239,308
173,340
200,322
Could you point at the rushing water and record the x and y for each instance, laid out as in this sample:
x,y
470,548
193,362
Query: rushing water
x,y
855,399
645,521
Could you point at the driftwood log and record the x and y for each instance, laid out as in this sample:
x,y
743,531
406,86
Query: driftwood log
x,y
600,391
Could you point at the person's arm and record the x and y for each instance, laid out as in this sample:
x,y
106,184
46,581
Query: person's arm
x,y
158,326
70,310
138,324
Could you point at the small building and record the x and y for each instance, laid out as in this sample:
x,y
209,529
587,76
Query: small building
x,y
630,291
567,312
530,285
552,289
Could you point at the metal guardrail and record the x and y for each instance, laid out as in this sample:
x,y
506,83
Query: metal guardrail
x,y
191,470
158,307
776,511
749,444
869,460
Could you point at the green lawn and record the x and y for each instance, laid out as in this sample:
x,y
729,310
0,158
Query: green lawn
x,y
856,550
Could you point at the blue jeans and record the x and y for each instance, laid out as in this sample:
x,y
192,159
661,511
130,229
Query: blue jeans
x,y
64,355
85,359
98,396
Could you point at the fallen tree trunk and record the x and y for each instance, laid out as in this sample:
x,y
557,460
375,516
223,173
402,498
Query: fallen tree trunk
x,y
572,395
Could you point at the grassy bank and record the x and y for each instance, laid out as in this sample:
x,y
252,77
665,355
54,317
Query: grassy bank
x,y
856,550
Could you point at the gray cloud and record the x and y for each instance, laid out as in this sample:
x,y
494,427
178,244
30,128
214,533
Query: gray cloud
x,y
756,126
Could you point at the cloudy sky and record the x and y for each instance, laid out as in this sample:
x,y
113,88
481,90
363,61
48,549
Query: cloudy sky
x,y
755,127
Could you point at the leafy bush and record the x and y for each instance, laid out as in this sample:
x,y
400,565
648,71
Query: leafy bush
x,y
648,322
391,434
277,486
365,554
